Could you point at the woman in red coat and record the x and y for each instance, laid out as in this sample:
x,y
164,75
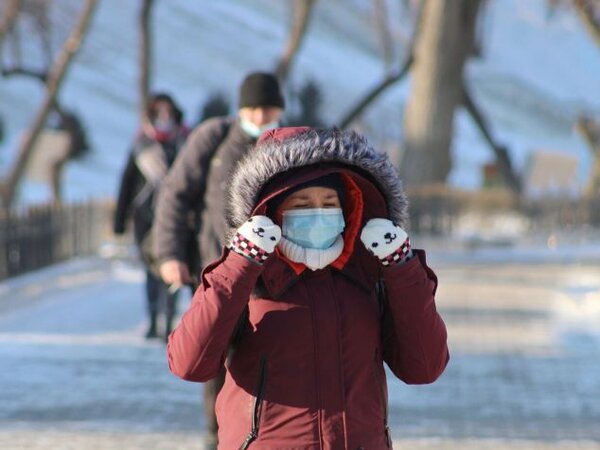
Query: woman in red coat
x,y
317,288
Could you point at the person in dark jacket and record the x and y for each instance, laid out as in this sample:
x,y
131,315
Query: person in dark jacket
x,y
317,288
153,151
192,198
193,192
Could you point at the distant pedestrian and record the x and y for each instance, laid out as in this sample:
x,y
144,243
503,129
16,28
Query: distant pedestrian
x,y
316,289
191,204
153,151
194,190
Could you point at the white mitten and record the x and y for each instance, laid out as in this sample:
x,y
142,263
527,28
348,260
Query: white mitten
x,y
256,238
386,240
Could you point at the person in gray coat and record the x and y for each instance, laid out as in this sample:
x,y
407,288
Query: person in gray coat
x,y
191,202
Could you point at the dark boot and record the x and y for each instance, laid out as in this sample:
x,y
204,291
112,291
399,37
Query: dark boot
x,y
152,297
152,332
168,328
170,311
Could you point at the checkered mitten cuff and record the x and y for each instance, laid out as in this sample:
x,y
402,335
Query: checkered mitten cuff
x,y
386,241
256,239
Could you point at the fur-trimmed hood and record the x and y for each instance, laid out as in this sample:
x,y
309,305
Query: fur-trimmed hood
x,y
280,155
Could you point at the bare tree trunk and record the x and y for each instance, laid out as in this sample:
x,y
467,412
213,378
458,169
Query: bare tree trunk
x,y
145,56
585,11
61,64
302,10
11,11
444,42
383,29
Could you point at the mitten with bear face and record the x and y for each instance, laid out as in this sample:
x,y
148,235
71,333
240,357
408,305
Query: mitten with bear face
x,y
387,241
256,239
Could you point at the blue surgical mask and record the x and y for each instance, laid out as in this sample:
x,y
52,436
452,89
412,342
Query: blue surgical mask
x,y
313,227
255,131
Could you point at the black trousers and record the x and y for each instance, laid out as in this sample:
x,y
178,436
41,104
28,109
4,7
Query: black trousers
x,y
159,299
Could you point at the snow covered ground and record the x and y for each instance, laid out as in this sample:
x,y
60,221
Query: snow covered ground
x,y
524,374
536,75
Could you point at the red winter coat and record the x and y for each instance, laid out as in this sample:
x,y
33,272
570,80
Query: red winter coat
x,y
307,370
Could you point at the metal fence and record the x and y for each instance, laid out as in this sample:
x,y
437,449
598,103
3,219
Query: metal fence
x,y
43,235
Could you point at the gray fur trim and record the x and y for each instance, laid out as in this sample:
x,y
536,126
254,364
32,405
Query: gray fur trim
x,y
272,157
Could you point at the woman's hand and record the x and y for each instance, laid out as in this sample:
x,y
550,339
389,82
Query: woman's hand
x,y
256,239
386,241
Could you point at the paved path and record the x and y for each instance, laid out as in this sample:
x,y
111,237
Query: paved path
x,y
524,371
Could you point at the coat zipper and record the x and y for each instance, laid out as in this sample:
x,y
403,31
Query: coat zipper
x,y
380,385
257,405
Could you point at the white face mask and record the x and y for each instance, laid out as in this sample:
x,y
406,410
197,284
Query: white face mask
x,y
255,131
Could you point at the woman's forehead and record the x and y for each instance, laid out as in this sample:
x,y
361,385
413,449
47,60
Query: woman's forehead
x,y
314,190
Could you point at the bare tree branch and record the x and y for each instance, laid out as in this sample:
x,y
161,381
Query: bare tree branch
x,y
502,156
301,17
590,130
8,20
38,10
390,79
11,11
57,74
383,31
32,73
145,60
585,11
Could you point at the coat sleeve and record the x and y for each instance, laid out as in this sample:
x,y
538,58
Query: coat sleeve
x,y
129,182
198,346
414,334
182,192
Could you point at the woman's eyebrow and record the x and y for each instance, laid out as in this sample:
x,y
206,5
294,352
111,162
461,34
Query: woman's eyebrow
x,y
300,197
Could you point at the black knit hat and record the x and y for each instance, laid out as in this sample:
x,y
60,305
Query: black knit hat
x,y
260,89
